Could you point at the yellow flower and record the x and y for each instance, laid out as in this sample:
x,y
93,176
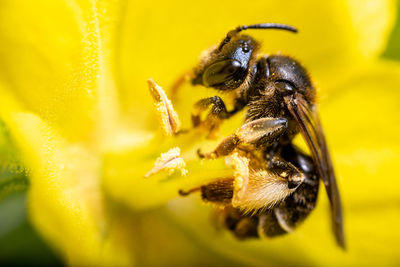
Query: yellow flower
x,y
74,99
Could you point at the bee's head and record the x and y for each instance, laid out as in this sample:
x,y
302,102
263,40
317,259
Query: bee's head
x,y
226,67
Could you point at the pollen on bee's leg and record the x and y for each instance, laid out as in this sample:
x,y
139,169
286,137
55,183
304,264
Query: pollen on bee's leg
x,y
169,120
255,187
241,172
169,162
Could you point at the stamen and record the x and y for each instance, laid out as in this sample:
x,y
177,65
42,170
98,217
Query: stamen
x,y
169,120
170,162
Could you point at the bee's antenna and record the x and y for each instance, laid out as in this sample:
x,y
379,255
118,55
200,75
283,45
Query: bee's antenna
x,y
256,26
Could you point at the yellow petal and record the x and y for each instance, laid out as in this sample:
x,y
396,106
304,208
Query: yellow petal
x,y
361,119
65,197
55,59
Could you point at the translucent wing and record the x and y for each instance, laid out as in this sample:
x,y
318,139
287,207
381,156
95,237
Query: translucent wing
x,y
310,127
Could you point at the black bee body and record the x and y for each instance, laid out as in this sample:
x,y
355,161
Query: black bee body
x,y
275,185
274,78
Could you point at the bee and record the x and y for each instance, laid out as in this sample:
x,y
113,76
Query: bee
x,y
277,184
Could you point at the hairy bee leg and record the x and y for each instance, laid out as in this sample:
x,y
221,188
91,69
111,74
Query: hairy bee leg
x,y
219,191
259,187
295,209
225,147
287,171
292,211
264,130
218,110
184,193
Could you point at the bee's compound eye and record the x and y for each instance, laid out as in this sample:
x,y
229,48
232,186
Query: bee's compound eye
x,y
284,86
221,72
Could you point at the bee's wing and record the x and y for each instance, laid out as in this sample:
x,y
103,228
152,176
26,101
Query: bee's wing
x,y
311,129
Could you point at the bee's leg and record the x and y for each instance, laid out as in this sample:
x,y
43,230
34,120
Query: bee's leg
x,y
218,192
218,109
272,151
294,209
269,226
260,187
298,205
217,113
246,227
184,77
290,213
263,131
242,226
